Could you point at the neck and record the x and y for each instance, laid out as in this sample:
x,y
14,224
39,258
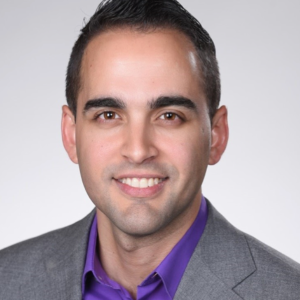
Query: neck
x,y
128,259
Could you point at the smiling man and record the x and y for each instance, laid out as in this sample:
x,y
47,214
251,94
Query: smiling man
x,y
143,122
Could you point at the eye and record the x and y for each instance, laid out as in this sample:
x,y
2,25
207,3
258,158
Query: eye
x,y
169,116
108,115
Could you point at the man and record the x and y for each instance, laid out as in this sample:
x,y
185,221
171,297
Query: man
x,y
143,122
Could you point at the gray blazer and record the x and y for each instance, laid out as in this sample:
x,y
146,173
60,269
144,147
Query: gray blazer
x,y
226,265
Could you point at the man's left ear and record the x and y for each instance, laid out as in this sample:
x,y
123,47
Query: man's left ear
x,y
219,135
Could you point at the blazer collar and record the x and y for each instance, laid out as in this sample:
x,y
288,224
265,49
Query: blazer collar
x,y
220,262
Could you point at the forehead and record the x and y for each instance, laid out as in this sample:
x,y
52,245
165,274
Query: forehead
x,y
132,65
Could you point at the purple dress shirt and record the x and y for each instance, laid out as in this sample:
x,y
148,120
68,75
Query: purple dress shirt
x,y
161,284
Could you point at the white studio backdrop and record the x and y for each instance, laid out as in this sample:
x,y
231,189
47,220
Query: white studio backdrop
x,y
255,186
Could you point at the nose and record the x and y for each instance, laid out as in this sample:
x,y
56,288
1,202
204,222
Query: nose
x,y
139,143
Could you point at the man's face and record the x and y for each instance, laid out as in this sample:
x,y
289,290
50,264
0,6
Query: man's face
x,y
142,130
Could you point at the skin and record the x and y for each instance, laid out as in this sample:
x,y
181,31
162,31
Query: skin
x,y
138,228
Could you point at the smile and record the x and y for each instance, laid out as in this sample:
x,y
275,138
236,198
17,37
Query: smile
x,y
141,182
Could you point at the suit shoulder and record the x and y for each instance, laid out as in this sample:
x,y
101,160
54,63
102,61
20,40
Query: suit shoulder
x,y
250,268
33,269
270,259
276,277
23,254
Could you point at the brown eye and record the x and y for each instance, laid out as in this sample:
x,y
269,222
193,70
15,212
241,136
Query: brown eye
x,y
169,116
109,115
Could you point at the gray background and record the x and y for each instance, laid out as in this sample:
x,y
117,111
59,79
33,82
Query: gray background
x,y
256,183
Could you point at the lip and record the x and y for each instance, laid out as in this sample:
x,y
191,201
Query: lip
x,y
133,192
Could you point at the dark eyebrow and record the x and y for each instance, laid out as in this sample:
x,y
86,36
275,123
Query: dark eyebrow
x,y
104,102
164,101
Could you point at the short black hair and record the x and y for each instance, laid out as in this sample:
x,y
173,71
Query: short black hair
x,y
146,15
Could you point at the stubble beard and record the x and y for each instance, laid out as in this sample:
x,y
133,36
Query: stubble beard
x,y
142,218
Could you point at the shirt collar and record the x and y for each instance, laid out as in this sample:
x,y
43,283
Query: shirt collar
x,y
170,270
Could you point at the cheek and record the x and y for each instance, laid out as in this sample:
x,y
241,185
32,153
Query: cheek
x,y
188,151
95,154
95,150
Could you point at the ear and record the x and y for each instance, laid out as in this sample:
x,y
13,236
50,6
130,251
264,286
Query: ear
x,y
68,132
219,135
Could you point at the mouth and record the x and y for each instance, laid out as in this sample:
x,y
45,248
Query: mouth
x,y
141,187
141,183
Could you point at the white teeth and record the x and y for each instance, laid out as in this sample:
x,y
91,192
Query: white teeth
x,y
141,182
135,182
150,182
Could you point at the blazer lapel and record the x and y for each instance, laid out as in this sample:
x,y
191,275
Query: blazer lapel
x,y
220,262
65,263
200,283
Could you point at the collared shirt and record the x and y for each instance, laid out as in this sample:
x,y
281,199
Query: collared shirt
x,y
161,284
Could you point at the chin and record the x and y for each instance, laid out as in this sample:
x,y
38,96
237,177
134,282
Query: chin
x,y
140,225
